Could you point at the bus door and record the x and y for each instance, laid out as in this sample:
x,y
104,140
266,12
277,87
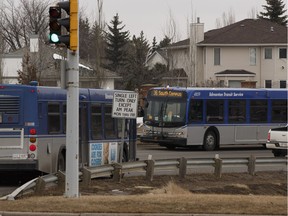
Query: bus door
x,y
83,135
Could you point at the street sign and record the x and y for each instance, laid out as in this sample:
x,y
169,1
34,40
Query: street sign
x,y
125,105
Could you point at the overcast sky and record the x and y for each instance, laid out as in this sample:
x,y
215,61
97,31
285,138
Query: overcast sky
x,y
152,16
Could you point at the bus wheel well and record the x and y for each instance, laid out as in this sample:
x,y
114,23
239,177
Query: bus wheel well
x,y
211,139
125,153
61,161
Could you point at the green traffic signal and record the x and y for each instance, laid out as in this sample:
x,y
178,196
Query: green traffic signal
x,y
54,38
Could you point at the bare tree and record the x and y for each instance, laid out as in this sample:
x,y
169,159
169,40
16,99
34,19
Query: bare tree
x,y
19,21
99,29
171,30
226,19
253,13
39,66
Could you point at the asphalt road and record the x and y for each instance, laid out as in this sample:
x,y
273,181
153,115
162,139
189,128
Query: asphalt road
x,y
158,152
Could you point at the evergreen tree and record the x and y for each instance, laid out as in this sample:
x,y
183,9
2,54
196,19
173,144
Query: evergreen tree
x,y
116,41
165,42
97,45
135,71
274,12
84,38
154,45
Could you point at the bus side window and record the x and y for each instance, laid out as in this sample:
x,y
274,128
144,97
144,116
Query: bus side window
x,y
110,123
54,118
96,121
279,111
196,111
215,111
258,111
237,111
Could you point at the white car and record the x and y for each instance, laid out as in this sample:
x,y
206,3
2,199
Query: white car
x,y
278,141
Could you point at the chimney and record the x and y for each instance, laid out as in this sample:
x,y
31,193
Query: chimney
x,y
197,31
34,43
196,36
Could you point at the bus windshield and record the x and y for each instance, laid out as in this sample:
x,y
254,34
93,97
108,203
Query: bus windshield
x,y
166,113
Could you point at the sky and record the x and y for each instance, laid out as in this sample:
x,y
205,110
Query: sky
x,y
153,16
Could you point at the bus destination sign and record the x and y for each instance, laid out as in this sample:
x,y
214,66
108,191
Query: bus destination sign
x,y
125,105
166,93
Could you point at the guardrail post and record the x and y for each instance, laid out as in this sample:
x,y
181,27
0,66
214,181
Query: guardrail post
x,y
61,180
218,166
251,165
86,177
117,173
150,169
182,167
40,186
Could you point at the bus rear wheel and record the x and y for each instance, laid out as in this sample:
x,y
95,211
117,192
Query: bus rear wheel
x,y
210,141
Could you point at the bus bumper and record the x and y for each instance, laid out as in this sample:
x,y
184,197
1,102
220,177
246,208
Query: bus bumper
x,y
165,141
16,165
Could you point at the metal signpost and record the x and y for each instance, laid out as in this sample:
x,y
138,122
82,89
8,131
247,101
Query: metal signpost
x,y
125,106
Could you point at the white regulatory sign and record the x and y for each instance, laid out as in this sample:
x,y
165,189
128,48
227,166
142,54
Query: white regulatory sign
x,y
125,105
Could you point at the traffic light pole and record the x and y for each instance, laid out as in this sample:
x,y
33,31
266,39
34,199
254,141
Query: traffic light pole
x,y
71,40
72,129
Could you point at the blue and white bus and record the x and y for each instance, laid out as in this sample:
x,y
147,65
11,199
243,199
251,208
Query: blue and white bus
x,y
212,117
33,127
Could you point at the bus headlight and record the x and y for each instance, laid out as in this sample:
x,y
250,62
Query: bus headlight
x,y
179,133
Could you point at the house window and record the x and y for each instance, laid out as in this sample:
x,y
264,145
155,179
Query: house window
x,y
268,53
252,56
216,56
282,53
282,83
268,83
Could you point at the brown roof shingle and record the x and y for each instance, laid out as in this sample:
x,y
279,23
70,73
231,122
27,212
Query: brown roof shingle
x,y
248,31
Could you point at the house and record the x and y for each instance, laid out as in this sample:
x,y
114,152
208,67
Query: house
x,y
248,53
158,56
173,76
47,60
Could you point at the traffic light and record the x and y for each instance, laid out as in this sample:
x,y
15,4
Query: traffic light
x,y
70,23
55,27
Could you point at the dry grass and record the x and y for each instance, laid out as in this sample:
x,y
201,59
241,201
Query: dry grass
x,y
172,189
169,199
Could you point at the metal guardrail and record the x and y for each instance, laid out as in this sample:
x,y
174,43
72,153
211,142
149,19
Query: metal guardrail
x,y
149,167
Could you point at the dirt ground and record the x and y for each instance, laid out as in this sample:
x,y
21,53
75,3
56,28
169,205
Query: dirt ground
x,y
263,183
234,193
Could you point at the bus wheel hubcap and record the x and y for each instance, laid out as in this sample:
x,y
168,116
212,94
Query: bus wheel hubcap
x,y
210,140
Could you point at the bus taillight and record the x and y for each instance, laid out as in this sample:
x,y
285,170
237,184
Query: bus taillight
x,y
32,144
32,139
32,147
32,131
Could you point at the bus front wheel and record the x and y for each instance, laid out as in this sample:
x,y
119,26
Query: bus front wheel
x,y
210,141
